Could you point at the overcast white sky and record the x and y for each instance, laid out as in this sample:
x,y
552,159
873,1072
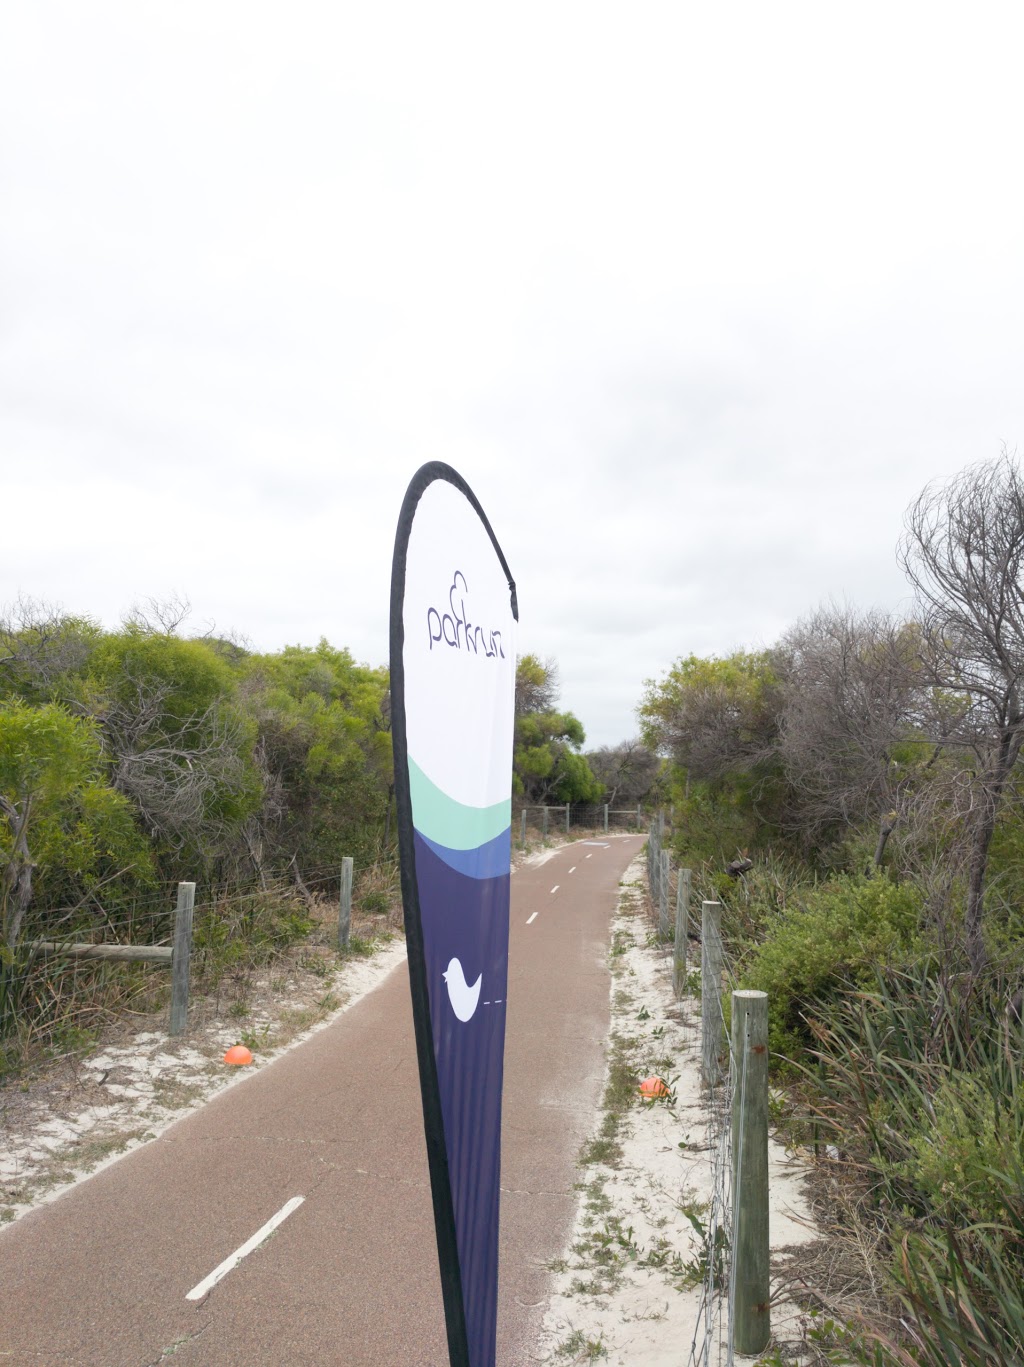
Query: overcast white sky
x,y
696,297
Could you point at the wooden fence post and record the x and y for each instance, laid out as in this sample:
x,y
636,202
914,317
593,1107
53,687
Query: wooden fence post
x,y
522,829
567,818
712,1022
653,862
345,903
545,823
606,818
663,882
751,1318
682,931
181,957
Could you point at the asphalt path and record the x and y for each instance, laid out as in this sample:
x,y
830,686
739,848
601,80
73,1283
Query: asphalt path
x,y
119,1271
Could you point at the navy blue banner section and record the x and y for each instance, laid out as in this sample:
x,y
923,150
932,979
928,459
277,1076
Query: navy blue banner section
x,y
453,621
465,933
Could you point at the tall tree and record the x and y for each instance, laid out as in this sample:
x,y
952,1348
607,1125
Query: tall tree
x,y
714,716
849,737
963,551
627,771
547,765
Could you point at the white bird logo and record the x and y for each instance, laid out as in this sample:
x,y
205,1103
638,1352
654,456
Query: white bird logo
x,y
462,997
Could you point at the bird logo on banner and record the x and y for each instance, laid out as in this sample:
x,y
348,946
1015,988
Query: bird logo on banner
x,y
462,997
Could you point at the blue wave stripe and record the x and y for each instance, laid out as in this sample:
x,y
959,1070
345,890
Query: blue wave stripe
x,y
489,860
453,825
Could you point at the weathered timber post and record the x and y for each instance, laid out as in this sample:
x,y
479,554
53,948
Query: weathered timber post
x,y
663,882
345,903
545,823
124,954
606,818
522,829
639,818
712,1022
751,1318
682,931
567,818
653,861
181,957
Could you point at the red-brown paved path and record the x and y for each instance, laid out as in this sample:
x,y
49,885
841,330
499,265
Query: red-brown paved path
x,y
99,1277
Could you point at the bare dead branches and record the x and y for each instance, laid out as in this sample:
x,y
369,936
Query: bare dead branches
x,y
963,550
159,615
16,873
40,643
171,770
628,771
851,702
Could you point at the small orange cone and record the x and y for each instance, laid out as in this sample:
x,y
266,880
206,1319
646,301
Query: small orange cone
x,y
238,1053
653,1087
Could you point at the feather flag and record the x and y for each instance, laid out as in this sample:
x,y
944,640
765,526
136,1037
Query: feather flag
x,y
453,664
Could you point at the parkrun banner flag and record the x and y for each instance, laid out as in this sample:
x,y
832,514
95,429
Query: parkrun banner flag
x,y
453,667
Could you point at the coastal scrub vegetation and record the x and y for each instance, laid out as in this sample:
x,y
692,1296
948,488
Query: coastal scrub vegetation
x,y
136,757
852,795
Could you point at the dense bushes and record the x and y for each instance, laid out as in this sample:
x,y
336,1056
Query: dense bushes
x,y
132,756
833,937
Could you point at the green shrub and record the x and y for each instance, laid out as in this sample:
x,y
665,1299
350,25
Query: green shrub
x,y
755,902
712,822
833,936
967,1150
238,932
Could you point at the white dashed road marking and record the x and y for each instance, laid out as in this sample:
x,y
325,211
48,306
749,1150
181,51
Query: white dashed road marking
x,y
222,1269
531,918
556,887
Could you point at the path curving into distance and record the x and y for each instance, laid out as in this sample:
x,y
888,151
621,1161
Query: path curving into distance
x,y
288,1221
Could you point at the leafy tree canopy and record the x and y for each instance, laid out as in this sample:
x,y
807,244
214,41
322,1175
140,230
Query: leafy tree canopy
x,y
713,716
547,764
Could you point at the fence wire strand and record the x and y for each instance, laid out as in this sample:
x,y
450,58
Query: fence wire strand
x,y
712,1342
712,1338
36,982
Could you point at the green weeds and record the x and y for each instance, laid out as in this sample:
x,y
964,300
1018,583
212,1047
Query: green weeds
x,y
578,1348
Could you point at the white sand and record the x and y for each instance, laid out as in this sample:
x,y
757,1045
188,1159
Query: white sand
x,y
626,1295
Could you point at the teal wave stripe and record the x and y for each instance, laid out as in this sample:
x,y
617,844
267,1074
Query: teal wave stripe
x,y
449,823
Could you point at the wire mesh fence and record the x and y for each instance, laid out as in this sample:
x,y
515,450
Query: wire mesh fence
x,y
711,1338
733,1310
54,988
543,820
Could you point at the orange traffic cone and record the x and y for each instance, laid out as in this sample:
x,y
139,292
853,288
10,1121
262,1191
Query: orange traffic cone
x,y
653,1087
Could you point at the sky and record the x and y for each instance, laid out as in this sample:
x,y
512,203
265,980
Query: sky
x,y
696,297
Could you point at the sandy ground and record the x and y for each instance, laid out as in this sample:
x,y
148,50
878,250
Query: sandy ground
x,y
628,1291
85,1112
